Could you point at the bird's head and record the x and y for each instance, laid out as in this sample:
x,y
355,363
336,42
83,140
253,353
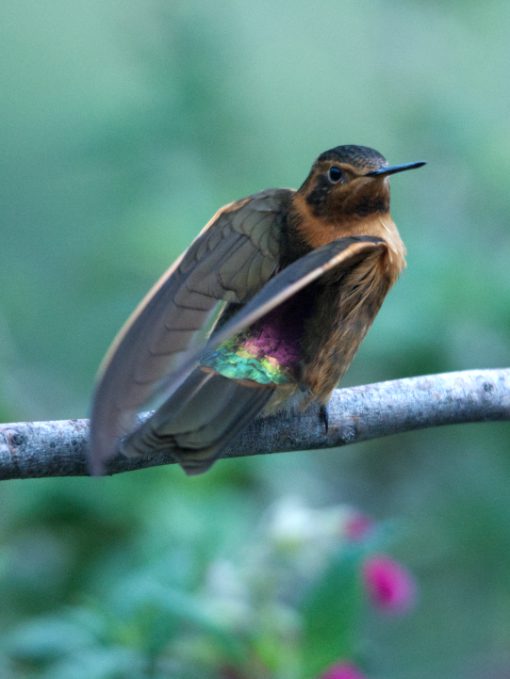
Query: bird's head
x,y
349,184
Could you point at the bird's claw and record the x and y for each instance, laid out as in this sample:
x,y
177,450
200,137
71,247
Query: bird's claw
x,y
324,415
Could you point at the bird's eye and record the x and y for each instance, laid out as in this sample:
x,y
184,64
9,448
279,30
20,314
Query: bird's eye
x,y
335,174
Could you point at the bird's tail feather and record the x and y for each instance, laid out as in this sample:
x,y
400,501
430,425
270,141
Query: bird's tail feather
x,y
197,422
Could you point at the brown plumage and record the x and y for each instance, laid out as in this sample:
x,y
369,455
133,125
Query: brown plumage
x,y
301,276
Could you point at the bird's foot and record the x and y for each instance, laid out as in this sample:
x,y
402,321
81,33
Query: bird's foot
x,y
324,416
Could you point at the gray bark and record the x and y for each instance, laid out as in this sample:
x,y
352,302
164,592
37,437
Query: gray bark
x,y
40,449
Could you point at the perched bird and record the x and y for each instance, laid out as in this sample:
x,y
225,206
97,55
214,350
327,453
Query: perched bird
x,y
296,277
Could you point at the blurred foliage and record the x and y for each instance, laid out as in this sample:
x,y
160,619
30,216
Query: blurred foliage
x,y
124,126
286,604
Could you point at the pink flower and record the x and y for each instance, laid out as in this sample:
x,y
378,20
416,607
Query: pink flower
x,y
343,670
358,527
390,586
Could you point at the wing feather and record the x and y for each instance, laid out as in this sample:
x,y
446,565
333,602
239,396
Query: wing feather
x,y
171,316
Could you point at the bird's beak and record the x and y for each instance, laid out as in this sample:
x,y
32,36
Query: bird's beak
x,y
393,169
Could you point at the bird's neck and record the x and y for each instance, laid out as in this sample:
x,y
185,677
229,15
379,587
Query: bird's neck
x,y
307,231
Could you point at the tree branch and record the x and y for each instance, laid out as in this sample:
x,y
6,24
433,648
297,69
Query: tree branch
x,y
37,449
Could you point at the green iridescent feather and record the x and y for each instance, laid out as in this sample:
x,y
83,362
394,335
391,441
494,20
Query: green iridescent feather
x,y
235,359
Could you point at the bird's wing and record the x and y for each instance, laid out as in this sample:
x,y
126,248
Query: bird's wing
x,y
230,260
204,410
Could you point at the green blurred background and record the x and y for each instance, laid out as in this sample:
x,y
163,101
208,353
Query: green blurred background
x,y
123,127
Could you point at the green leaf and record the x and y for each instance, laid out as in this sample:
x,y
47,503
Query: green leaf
x,y
331,610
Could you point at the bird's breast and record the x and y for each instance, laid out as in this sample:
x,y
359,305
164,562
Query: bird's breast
x,y
344,310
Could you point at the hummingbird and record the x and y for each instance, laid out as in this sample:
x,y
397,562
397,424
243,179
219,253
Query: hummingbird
x,y
264,311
